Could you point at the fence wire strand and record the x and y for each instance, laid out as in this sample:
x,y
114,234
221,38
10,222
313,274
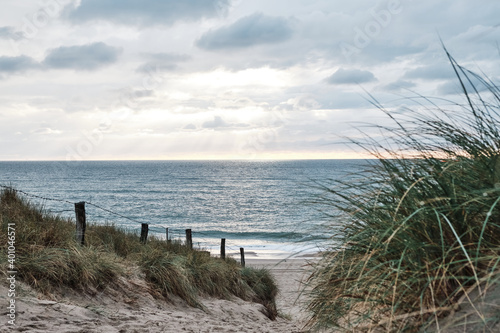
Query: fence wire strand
x,y
172,233
34,195
111,212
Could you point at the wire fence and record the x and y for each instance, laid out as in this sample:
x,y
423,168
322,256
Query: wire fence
x,y
169,233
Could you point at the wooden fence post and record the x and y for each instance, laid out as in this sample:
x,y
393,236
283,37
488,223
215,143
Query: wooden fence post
x,y
242,252
223,248
168,240
80,222
189,239
144,232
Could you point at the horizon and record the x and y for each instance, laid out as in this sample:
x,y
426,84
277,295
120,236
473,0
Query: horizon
x,y
196,160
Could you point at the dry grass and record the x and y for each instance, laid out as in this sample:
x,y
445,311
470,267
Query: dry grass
x,y
49,257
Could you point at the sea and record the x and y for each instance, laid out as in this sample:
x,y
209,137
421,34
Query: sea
x,y
269,208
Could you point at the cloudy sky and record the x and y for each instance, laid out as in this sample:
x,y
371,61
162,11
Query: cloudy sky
x,y
206,79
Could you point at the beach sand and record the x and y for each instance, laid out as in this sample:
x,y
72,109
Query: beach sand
x,y
129,306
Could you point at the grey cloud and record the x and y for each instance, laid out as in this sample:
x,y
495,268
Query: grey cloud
x,y
453,87
152,67
144,93
399,85
218,123
46,131
431,72
248,31
85,57
215,123
189,127
169,57
82,57
302,103
238,103
17,64
131,94
10,33
198,103
145,12
162,62
351,76
136,99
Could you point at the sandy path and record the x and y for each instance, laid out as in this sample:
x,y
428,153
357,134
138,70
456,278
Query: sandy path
x,y
290,275
133,309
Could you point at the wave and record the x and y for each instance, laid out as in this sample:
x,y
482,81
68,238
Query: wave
x,y
262,235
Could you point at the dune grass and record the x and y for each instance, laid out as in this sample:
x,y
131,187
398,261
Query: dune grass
x,y
47,257
419,229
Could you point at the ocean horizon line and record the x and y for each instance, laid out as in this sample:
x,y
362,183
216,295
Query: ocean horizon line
x,y
195,160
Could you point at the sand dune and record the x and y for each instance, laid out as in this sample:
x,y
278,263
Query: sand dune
x,y
130,307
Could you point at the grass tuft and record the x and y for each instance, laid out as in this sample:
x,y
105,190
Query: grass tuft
x,y
48,257
264,288
420,226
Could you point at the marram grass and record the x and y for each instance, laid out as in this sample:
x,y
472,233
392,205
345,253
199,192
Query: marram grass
x,y
48,257
418,234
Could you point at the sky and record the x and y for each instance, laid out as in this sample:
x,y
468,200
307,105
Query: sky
x,y
224,79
